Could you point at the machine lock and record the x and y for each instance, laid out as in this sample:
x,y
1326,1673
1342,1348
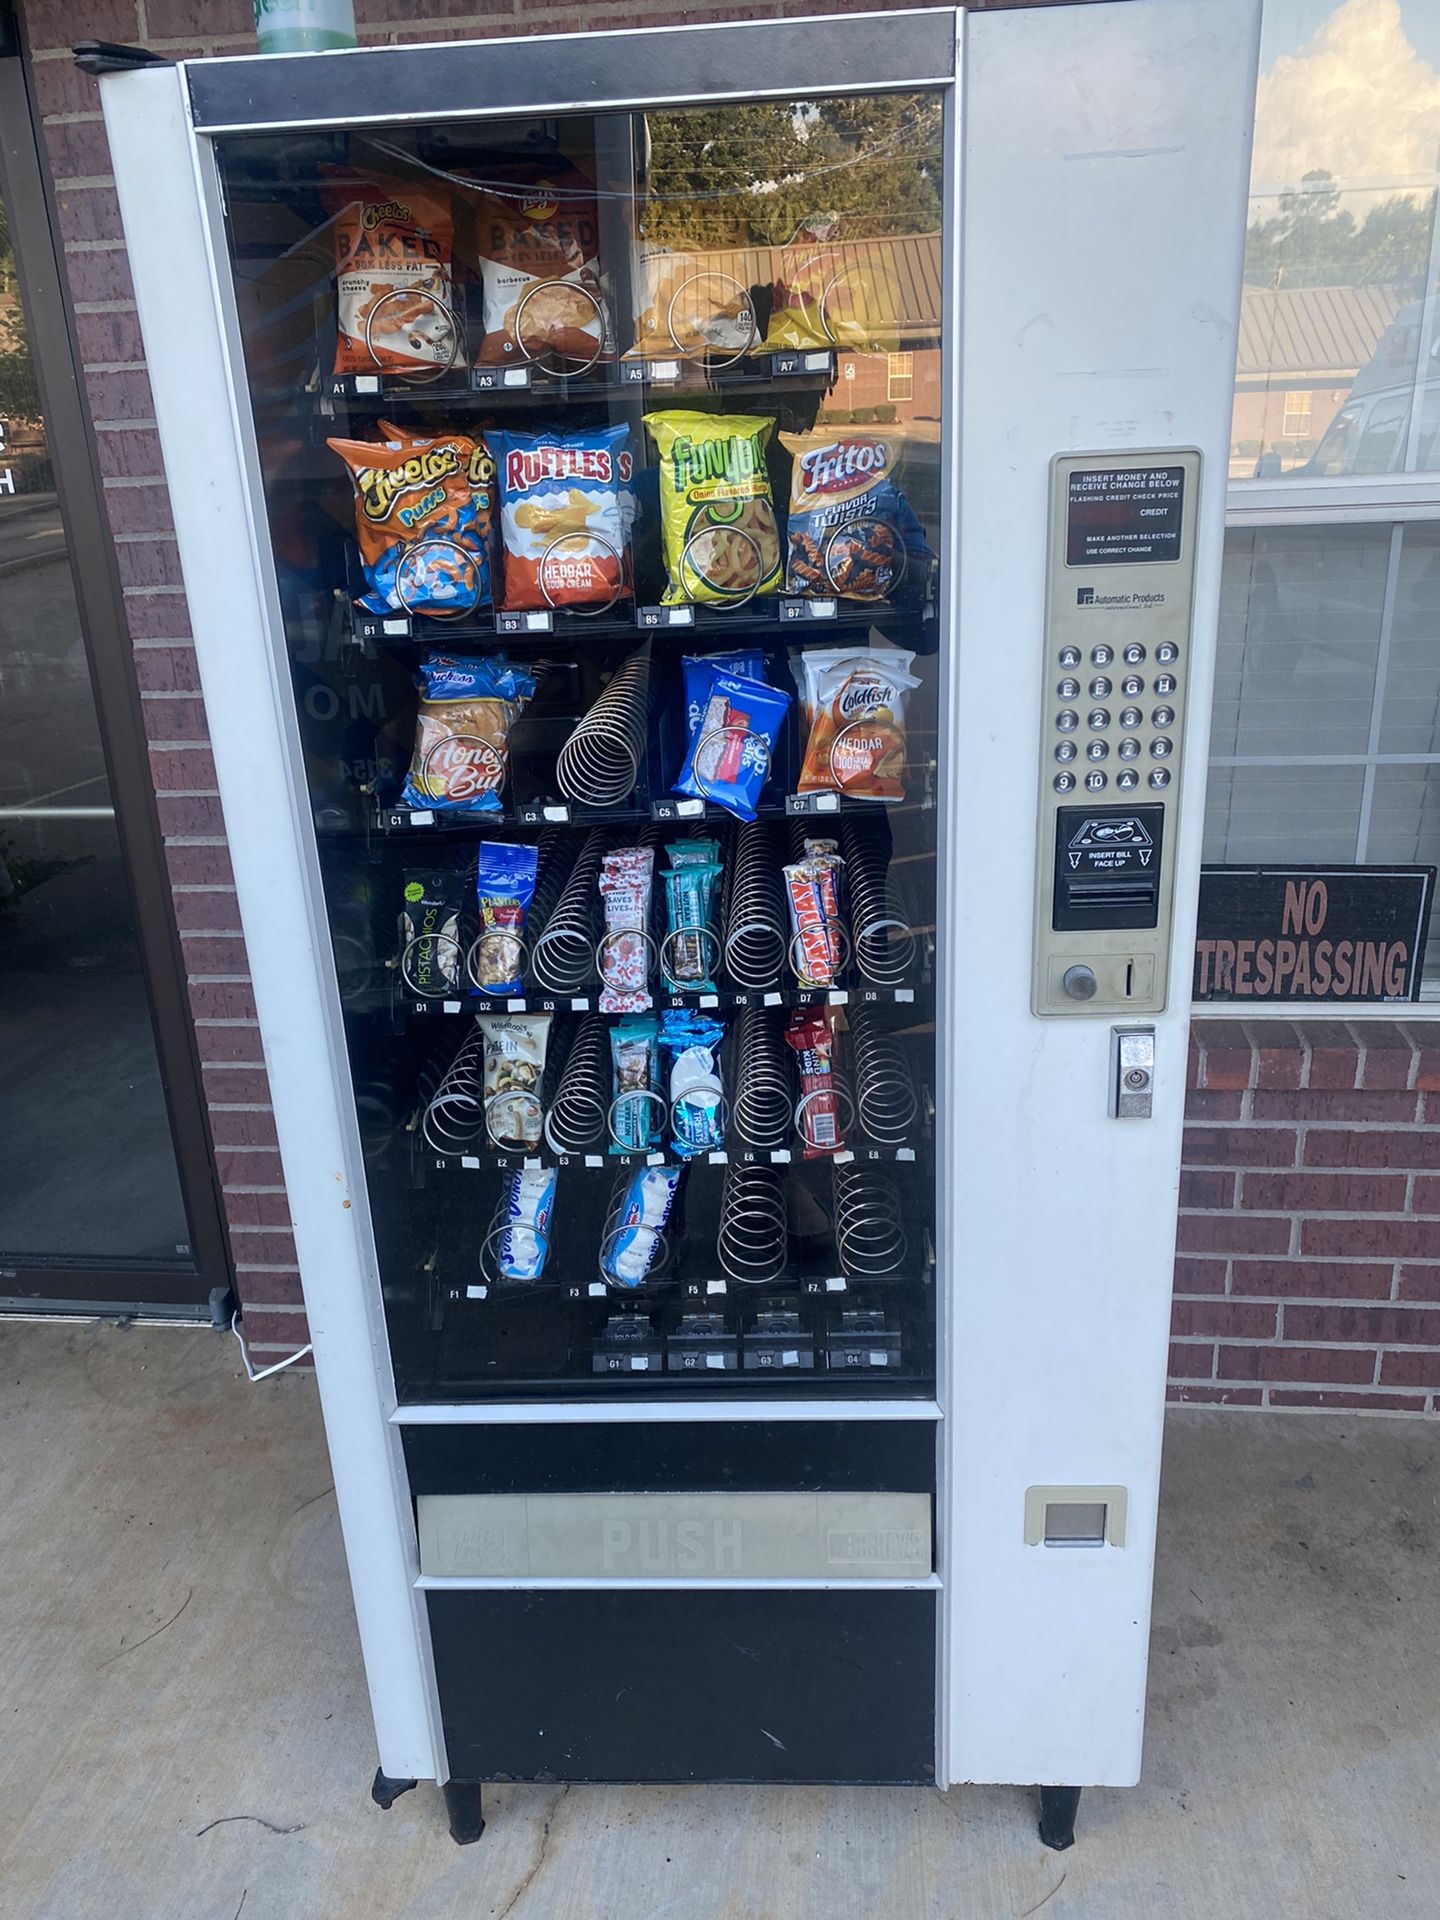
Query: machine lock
x,y
1132,1072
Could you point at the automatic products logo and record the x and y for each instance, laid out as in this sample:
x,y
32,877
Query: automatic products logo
x,y
1088,597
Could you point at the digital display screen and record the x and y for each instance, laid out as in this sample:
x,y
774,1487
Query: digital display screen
x,y
1123,516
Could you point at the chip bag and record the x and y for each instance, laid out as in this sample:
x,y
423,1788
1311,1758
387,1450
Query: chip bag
x,y
853,702
716,515
852,532
504,888
691,309
462,732
544,292
395,310
562,516
422,518
830,292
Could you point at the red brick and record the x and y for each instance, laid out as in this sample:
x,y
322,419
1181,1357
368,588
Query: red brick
x,y
279,1330
269,1290
228,1084
150,562
1334,1067
1240,1146
1380,1326
157,616
209,959
1207,1189
1369,1238
1430,1109
248,1166
1334,1147
1420,1283
1410,1369
59,23
88,213
1323,1192
109,336
78,149
1427,1069
392,13
140,510
1226,1067
257,1209
130,453
229,1043
102,276
195,19
263,1249
120,396
1206,1108
1427,1198
168,720
199,866
1231,1233
166,669
1312,1279
1369,1402
1222,1320
1279,1066
206,912
221,1000
187,770
60,87
1387,1066
242,1129
1315,1103
1217,1396
189,814
1199,1276
1345,1366
1191,1362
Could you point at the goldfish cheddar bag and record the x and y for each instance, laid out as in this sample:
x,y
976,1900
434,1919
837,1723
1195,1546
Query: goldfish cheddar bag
x,y
422,516
395,308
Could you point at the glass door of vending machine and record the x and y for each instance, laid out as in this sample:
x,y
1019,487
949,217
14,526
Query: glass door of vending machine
x,y
596,458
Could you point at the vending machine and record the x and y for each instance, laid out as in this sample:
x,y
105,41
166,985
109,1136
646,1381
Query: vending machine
x,y
703,548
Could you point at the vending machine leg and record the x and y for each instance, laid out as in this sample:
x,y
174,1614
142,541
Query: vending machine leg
x,y
1058,1807
462,1803
385,1792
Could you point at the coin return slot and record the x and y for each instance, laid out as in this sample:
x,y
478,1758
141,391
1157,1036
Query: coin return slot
x,y
1075,1516
1075,1523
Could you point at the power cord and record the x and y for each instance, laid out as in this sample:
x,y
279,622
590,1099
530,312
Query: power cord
x,y
253,1373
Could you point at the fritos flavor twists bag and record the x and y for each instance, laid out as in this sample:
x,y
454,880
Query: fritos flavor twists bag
x,y
395,309
854,705
717,519
544,293
562,516
422,518
852,533
462,732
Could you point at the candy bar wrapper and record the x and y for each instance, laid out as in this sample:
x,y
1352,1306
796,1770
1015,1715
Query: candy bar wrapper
x,y
625,882
697,1095
732,749
812,892
431,956
809,1033
631,1248
691,946
504,888
514,1046
524,1242
635,1065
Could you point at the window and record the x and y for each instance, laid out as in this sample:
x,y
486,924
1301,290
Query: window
x,y
899,376
1296,422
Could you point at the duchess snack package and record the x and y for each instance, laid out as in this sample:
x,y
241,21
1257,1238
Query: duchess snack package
x,y
563,521
854,706
430,952
852,533
523,1239
809,1034
514,1045
733,745
504,888
422,518
544,293
392,274
462,732
717,519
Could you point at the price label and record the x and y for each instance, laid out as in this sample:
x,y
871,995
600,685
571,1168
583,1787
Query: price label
x,y
424,819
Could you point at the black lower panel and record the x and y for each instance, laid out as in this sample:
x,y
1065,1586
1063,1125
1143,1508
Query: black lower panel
x,y
705,1685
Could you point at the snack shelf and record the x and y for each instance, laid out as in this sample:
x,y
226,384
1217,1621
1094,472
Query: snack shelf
x,y
553,813
493,1161
800,613
482,385
414,1007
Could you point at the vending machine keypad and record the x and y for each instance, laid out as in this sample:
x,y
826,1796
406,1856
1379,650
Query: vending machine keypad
x,y
1117,638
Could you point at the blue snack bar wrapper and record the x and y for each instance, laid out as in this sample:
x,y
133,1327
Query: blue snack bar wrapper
x,y
730,754
632,1247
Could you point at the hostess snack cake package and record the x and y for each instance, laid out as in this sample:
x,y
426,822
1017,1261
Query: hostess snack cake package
x,y
634,1245
690,950
851,533
432,902
423,508
636,1107
717,519
462,732
522,1239
394,307
733,745
565,513
853,701
513,1047
690,1043
545,297
626,876
504,888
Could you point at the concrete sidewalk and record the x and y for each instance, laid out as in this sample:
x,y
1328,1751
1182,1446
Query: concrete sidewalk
x,y
177,1650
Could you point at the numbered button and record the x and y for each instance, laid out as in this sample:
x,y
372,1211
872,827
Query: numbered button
x,y
1068,689
1067,720
1069,657
1165,683
1102,656
1129,749
1098,719
1163,717
1131,717
1159,777
1064,783
1127,779
1132,686
1100,689
1098,750
1065,751
1095,782
1162,748
1133,654
1167,653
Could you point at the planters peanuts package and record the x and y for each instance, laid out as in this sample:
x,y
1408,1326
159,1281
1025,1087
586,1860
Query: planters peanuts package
x,y
733,746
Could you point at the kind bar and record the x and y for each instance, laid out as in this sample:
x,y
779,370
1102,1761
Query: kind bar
x,y
544,294
717,519
422,518
504,888
392,274
514,1047
563,523
851,533
462,732
817,1114
691,947
635,1065
625,882
854,706
812,892
430,957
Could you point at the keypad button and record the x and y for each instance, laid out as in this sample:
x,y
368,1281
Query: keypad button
x,y
1064,783
1160,776
1067,720
1097,719
1100,689
1127,779
1102,656
1098,750
1129,749
1131,717
1163,717
1065,751
1067,689
1095,782
1069,657
1167,653
1133,654
1165,683
1132,686
1162,748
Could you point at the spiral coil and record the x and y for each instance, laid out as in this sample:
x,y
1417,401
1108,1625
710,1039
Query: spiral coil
x,y
600,762
882,936
761,1110
756,939
869,1231
453,1119
885,1098
752,1241
562,955
576,1115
